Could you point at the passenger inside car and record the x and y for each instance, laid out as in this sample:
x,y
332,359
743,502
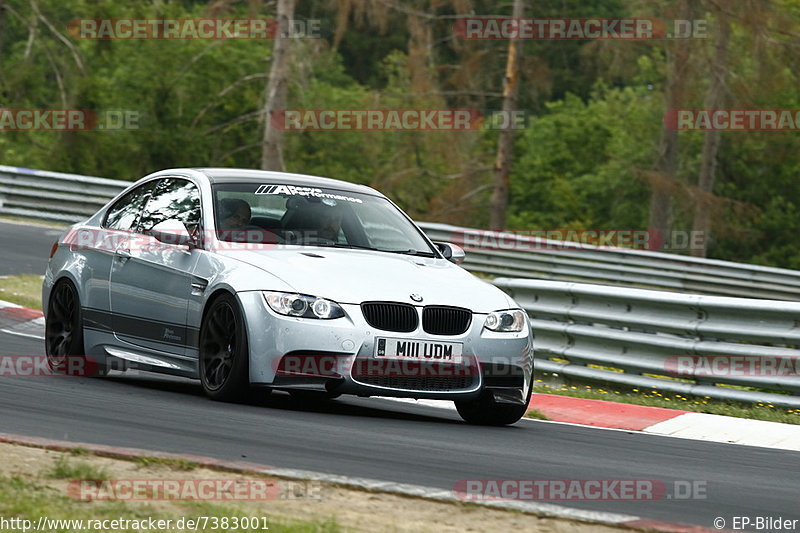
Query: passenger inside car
x,y
308,222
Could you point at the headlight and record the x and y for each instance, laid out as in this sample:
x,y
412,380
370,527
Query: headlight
x,y
300,305
510,320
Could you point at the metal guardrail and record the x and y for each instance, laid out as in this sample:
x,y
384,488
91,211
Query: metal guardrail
x,y
54,195
687,344
537,258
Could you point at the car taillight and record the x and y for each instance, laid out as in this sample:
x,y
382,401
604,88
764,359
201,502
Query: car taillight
x,y
53,249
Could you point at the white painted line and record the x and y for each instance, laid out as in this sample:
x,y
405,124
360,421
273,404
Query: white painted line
x,y
731,430
33,324
419,491
20,334
702,427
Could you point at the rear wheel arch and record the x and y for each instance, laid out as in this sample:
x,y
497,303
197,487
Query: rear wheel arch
x,y
62,277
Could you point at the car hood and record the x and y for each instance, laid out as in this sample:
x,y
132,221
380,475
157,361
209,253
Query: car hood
x,y
354,276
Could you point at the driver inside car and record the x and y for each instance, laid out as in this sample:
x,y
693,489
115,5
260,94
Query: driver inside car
x,y
236,223
235,214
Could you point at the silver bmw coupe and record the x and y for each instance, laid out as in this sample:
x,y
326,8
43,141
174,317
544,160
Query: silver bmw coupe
x,y
253,281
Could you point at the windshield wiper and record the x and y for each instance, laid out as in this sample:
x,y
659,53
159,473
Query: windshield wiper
x,y
419,253
353,246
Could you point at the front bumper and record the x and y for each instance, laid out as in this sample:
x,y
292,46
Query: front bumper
x,y
338,356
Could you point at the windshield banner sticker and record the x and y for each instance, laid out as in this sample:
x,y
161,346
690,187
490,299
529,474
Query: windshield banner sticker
x,y
303,191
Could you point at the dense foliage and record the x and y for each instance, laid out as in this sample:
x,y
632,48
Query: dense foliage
x,y
585,158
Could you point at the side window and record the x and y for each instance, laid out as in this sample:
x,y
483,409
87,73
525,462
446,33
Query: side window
x,y
124,214
173,199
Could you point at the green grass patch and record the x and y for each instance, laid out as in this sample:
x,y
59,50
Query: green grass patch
x,y
45,223
67,468
22,289
538,415
78,451
174,464
656,398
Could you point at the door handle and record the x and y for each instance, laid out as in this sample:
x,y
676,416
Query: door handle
x,y
123,254
199,286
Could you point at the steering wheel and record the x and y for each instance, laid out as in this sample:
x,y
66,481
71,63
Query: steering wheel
x,y
298,238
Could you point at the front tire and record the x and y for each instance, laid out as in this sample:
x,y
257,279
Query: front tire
x,y
224,360
484,411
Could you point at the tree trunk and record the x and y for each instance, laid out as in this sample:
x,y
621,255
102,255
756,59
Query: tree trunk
x,y
2,28
663,183
275,100
708,166
505,144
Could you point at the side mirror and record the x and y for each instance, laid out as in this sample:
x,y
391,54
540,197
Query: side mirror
x,y
451,252
172,231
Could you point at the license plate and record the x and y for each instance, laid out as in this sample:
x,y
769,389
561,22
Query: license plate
x,y
418,350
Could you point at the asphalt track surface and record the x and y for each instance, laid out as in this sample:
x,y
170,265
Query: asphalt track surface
x,y
384,440
24,249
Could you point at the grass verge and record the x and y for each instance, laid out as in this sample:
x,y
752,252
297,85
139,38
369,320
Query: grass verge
x,y
655,398
65,468
34,221
22,289
174,464
534,413
37,483
25,499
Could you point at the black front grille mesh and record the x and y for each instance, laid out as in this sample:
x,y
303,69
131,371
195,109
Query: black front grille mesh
x,y
390,316
446,320
420,383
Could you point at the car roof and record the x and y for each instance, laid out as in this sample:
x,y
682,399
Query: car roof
x,y
242,175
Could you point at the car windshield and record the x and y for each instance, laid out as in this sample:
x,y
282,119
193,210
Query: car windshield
x,y
313,216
